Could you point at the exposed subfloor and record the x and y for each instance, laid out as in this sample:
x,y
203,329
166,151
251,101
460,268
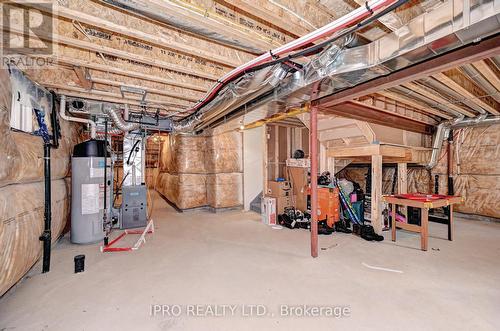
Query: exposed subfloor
x,y
230,258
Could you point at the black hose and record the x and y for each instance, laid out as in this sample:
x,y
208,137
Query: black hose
x,y
132,150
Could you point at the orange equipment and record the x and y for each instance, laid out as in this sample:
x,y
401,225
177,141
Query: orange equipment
x,y
328,205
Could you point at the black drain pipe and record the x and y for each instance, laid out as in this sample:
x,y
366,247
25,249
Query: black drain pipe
x,y
46,236
451,190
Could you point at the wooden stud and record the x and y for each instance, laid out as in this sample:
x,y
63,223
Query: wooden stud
x,y
402,185
376,194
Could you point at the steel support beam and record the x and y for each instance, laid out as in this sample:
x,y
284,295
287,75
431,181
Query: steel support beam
x,y
471,53
313,142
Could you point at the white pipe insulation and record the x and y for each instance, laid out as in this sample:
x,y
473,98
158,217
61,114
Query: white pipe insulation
x,y
62,112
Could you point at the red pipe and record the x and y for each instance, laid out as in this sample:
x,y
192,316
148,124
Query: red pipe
x,y
313,142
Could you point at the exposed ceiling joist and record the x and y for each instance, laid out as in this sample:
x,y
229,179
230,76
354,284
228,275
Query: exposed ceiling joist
x,y
93,94
488,73
197,20
147,89
429,93
128,73
415,104
249,8
159,41
363,112
90,46
468,90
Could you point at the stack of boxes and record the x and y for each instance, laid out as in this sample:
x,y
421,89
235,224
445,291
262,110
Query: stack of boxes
x,y
283,194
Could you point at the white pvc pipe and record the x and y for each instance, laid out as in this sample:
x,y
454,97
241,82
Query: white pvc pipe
x,y
62,112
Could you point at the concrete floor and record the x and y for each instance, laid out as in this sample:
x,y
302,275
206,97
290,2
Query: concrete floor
x,y
200,258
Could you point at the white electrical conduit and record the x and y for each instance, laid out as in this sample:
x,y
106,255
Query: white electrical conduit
x,y
62,112
326,31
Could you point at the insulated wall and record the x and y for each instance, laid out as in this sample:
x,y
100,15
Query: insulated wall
x,y
475,168
198,171
22,189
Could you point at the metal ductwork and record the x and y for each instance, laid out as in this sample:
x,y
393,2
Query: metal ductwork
x,y
118,120
460,123
441,134
451,25
62,113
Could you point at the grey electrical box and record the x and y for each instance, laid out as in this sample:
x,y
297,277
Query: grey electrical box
x,y
134,206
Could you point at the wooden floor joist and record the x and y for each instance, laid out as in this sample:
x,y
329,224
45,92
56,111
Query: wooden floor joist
x,y
70,14
429,93
147,89
468,92
90,46
488,73
415,104
81,92
363,112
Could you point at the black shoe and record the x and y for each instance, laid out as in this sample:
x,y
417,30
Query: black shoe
x,y
368,233
340,227
323,228
356,229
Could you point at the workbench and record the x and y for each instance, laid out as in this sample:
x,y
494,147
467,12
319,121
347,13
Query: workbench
x,y
424,202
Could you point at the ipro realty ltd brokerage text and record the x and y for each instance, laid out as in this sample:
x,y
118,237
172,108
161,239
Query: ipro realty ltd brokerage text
x,y
248,310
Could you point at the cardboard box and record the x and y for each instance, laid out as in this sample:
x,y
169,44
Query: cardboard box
x,y
298,178
300,163
278,189
283,202
268,208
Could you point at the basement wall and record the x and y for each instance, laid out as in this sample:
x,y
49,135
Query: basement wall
x,y
475,169
22,190
201,171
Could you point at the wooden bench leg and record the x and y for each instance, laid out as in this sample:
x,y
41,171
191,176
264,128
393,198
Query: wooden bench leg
x,y
393,215
450,223
424,228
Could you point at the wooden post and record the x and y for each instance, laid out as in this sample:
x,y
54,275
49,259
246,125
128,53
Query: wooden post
x,y
376,212
424,234
331,165
313,155
451,225
323,159
402,184
393,214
